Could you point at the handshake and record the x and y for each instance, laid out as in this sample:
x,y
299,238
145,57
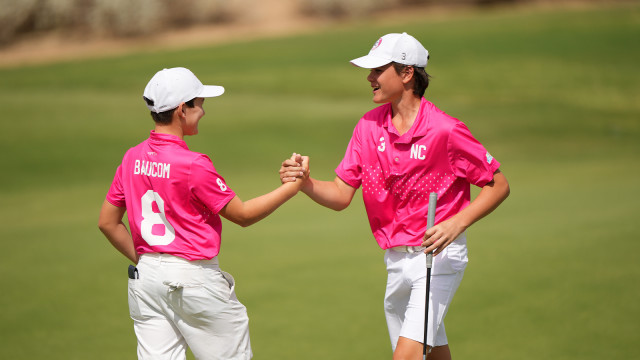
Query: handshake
x,y
294,168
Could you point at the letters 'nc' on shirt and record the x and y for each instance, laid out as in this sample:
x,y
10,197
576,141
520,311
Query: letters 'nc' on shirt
x,y
172,196
397,172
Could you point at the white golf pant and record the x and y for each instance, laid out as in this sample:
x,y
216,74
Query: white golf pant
x,y
404,301
177,304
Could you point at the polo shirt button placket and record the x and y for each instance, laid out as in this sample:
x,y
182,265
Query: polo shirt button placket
x,y
395,165
395,157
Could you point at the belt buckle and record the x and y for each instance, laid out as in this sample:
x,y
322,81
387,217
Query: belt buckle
x,y
413,249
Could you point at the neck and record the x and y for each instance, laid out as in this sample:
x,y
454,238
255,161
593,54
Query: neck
x,y
405,111
169,129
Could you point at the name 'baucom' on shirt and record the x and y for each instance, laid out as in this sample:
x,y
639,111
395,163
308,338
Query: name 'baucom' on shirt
x,y
172,196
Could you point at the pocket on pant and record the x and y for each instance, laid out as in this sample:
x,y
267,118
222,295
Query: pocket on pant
x,y
230,280
134,300
203,302
217,284
453,258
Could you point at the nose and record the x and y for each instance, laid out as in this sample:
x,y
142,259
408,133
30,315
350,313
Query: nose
x,y
371,77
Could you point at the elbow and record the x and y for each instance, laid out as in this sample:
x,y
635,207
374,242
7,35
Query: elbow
x,y
245,223
108,225
341,205
239,218
106,228
506,189
502,184
102,225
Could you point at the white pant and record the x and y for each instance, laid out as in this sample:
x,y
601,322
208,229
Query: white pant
x,y
404,299
177,303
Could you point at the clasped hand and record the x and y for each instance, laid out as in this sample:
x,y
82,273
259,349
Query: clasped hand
x,y
296,167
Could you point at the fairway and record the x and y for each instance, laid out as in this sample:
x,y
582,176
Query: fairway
x,y
554,95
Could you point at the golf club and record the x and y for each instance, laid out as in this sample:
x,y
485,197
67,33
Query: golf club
x,y
431,218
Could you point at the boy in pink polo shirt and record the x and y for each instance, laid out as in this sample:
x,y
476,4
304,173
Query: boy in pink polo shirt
x,y
399,153
173,198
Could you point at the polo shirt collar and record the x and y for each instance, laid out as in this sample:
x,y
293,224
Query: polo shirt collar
x,y
418,129
154,136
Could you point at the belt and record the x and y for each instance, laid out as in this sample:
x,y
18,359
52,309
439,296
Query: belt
x,y
166,258
408,249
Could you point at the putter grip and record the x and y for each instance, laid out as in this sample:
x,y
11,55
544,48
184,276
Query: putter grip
x,y
431,215
431,219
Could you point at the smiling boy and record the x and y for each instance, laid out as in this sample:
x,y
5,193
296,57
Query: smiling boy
x,y
398,154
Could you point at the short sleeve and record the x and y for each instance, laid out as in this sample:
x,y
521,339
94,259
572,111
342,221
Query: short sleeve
x,y
350,169
468,157
115,195
208,186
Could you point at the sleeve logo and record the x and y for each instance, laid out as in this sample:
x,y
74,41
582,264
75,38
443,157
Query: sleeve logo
x,y
489,158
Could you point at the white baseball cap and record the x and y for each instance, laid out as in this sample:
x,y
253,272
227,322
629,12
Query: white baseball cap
x,y
401,48
168,88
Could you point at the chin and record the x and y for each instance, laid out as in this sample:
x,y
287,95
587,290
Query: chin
x,y
379,99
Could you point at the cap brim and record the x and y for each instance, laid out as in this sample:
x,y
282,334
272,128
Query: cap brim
x,y
211,91
370,62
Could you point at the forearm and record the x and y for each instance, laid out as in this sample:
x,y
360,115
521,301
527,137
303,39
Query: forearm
x,y
489,198
335,195
251,211
119,237
440,236
111,225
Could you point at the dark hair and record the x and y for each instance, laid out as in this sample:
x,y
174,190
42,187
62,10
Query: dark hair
x,y
420,76
165,117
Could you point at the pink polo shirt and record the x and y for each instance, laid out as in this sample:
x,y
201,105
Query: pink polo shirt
x,y
397,173
173,196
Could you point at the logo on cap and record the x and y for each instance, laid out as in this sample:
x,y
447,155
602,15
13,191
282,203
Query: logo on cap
x,y
377,44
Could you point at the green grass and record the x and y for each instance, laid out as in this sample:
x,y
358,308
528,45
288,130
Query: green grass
x,y
553,272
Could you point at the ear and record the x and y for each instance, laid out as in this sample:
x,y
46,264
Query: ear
x,y
181,111
407,74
